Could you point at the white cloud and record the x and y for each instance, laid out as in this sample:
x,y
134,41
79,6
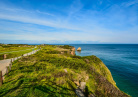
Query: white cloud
x,y
44,13
127,4
89,25
27,16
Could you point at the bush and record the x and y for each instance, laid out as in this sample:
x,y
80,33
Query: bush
x,y
66,47
78,57
53,52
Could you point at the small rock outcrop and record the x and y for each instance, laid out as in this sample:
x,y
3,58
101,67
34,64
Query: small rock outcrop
x,y
73,49
79,49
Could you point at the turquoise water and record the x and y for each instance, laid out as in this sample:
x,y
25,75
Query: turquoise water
x,y
122,61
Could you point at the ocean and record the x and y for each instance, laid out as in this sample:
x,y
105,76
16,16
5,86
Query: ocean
x,y
121,60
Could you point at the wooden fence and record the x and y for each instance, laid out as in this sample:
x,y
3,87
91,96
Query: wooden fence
x,y
8,68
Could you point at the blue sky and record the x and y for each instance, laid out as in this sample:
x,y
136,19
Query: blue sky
x,y
69,21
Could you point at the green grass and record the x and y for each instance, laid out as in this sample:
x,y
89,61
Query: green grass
x,y
14,50
43,74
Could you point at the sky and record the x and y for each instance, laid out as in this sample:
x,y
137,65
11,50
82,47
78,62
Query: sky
x,y
69,21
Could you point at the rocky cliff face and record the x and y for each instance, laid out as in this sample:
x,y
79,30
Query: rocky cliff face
x,y
79,49
72,52
104,83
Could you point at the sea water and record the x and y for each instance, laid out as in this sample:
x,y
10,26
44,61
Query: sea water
x,y
121,60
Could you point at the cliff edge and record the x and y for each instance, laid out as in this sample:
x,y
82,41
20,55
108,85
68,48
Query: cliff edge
x,y
57,71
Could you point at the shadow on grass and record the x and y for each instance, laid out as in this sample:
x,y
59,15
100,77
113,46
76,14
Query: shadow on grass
x,y
52,89
2,93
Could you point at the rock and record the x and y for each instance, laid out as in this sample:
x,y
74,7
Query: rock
x,y
72,51
82,86
66,70
77,83
86,78
79,93
79,49
62,52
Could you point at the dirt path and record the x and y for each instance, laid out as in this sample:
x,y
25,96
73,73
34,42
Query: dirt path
x,y
6,62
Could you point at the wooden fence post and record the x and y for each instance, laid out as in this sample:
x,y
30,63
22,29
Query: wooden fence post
x,y
7,69
1,81
10,66
4,56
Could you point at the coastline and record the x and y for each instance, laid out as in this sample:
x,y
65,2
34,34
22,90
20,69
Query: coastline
x,y
56,64
120,59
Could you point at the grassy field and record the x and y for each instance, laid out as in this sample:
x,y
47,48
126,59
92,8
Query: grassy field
x,y
48,73
14,50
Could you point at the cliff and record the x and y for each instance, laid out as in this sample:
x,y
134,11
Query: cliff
x,y
57,71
